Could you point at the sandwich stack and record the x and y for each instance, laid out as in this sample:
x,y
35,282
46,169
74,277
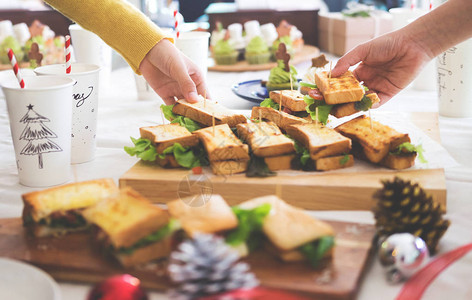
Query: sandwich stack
x,y
267,141
226,153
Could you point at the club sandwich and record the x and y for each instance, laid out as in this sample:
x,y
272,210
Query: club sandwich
x,y
130,228
57,210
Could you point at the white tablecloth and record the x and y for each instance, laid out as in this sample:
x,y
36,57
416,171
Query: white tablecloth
x,y
121,114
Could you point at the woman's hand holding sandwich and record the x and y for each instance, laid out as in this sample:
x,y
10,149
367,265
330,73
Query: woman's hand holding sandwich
x,y
390,62
170,73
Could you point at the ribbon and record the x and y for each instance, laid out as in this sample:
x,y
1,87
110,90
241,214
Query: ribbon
x,y
415,287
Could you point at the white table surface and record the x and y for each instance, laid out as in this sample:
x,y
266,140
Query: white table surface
x,y
121,114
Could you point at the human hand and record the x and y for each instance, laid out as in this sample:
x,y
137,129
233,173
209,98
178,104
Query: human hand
x,y
387,64
170,73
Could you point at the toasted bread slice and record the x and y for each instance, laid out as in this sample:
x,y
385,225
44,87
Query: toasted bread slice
x,y
204,111
399,161
292,99
280,118
334,162
145,254
223,144
164,136
347,109
229,167
211,215
377,141
265,139
320,140
126,217
343,89
286,226
277,163
70,198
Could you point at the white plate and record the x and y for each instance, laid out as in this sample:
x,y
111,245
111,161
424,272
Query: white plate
x,y
21,281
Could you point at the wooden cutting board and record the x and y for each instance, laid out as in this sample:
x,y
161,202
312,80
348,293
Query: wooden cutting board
x,y
305,54
325,191
74,258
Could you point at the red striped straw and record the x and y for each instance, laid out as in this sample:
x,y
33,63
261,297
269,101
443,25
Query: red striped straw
x,y
430,5
412,7
68,62
176,23
16,69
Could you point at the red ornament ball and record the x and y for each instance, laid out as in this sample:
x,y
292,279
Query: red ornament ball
x,y
119,287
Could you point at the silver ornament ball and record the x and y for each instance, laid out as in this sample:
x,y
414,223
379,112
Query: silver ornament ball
x,y
403,254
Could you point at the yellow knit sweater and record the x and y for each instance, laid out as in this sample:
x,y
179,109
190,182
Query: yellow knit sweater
x,y
116,22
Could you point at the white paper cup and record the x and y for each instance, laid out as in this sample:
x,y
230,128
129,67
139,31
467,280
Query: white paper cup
x,y
402,16
84,107
455,81
427,79
145,91
40,117
194,45
88,48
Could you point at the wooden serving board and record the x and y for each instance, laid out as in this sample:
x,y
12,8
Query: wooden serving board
x,y
326,191
74,258
306,53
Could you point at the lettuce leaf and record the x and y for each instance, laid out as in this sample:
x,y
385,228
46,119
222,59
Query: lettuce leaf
x,y
188,123
183,155
302,160
250,225
344,160
154,237
258,168
270,103
315,250
323,109
364,105
304,153
307,84
409,147
142,149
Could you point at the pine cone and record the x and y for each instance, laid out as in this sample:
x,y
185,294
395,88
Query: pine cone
x,y
405,207
205,265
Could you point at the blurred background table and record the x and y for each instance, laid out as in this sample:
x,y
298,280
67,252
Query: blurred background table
x,y
121,114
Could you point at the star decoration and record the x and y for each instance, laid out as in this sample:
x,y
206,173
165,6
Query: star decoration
x,y
319,62
30,106
284,28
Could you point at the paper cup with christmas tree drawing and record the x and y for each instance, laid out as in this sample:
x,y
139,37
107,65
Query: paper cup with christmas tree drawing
x,y
40,122
84,107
